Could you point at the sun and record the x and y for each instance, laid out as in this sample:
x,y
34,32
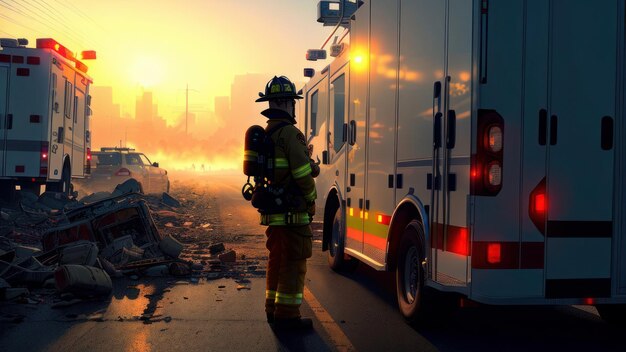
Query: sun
x,y
148,71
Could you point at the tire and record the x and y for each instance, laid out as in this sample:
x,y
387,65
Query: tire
x,y
410,274
337,240
64,184
613,313
66,180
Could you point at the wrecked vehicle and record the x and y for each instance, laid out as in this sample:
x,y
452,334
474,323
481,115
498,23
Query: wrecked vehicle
x,y
112,166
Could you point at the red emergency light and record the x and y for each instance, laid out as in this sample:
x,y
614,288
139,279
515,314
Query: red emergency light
x,y
49,43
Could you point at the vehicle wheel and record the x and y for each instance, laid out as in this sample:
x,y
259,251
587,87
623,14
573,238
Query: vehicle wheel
x,y
66,180
613,313
410,273
64,184
337,240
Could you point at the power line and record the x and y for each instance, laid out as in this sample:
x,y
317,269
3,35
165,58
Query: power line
x,y
37,6
39,18
63,17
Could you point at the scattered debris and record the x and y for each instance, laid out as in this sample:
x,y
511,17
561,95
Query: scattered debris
x,y
228,257
83,280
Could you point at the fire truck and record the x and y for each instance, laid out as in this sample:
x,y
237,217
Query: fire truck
x,y
44,116
475,147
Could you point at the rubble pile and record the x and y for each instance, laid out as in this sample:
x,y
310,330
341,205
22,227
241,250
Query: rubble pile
x,y
70,248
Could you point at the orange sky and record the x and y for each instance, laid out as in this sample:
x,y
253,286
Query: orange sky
x,y
162,45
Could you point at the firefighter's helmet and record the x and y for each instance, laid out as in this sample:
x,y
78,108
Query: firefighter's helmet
x,y
279,88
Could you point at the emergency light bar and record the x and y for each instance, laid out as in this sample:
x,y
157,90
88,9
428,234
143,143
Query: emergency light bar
x,y
49,43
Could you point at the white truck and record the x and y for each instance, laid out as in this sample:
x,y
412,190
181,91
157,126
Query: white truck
x,y
475,147
44,116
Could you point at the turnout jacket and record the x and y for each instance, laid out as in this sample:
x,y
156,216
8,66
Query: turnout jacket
x,y
291,164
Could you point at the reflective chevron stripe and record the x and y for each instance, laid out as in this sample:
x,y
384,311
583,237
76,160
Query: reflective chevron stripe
x,y
311,196
281,163
288,298
270,294
250,155
301,171
285,219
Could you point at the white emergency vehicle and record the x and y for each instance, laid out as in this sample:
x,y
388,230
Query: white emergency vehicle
x,y
475,147
44,115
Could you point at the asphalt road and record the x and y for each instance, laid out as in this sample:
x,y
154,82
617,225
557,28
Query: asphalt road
x,y
352,310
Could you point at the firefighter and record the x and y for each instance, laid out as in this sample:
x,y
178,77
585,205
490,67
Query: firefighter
x,y
289,231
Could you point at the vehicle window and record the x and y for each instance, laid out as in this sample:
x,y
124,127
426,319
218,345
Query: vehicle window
x,y
338,93
145,159
69,94
133,159
107,159
313,113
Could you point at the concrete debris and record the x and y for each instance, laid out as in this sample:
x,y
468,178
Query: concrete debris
x,y
171,247
228,257
169,200
81,252
10,293
217,248
127,187
95,197
179,269
160,270
83,280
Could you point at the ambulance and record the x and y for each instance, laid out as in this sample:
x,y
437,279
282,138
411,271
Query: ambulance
x,y
475,147
44,116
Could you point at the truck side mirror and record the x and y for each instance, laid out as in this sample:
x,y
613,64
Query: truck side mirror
x,y
155,164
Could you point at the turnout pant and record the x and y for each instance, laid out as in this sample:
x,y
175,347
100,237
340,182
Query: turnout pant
x,y
289,248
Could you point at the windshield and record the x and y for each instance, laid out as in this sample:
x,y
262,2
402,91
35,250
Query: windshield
x,y
133,159
107,159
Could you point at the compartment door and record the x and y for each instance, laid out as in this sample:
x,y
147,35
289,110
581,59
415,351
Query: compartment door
x,y
4,84
582,86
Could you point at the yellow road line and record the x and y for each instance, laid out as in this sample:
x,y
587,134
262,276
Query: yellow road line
x,y
337,337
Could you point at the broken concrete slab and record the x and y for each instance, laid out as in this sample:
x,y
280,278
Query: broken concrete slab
x,y
171,247
83,280
228,257
127,187
169,200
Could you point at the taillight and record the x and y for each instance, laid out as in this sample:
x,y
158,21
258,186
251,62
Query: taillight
x,y
88,163
538,206
494,253
123,172
487,164
43,159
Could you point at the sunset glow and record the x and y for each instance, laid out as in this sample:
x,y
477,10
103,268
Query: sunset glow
x,y
162,48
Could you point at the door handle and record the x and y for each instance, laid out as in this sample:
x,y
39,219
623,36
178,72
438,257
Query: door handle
x,y
554,122
606,133
352,139
451,138
60,135
543,126
9,121
360,203
437,131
